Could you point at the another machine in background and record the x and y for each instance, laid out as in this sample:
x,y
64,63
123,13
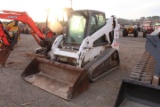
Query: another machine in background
x,y
147,27
131,29
143,90
8,42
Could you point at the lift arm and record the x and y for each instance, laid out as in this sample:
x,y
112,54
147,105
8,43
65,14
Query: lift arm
x,y
2,36
26,19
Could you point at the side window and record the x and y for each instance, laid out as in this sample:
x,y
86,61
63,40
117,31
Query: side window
x,y
97,21
93,24
101,20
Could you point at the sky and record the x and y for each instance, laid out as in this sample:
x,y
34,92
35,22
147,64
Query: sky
x,y
128,9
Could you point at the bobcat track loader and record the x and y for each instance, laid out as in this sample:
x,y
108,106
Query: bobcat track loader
x,y
87,52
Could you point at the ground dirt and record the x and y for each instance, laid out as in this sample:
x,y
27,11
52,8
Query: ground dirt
x,y
15,92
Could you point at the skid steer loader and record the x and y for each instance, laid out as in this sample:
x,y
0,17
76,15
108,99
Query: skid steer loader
x,y
87,52
143,90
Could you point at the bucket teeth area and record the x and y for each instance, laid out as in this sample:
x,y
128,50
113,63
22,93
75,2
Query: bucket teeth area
x,y
59,79
4,53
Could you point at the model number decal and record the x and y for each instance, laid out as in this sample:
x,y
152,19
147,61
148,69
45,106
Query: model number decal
x,y
12,17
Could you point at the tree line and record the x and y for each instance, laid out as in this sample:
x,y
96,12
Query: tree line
x,y
140,20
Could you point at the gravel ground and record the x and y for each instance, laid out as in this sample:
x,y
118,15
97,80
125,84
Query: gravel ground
x,y
15,92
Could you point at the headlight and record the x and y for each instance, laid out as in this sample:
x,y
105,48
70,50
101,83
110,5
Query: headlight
x,y
68,60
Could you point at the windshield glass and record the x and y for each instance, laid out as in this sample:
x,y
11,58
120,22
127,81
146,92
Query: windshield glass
x,y
76,29
157,23
126,26
146,23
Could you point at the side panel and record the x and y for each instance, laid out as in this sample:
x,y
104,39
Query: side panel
x,y
93,52
115,43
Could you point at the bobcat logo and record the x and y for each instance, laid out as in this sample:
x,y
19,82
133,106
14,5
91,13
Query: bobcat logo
x,y
12,17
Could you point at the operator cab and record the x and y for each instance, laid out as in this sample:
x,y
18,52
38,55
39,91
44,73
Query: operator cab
x,y
81,24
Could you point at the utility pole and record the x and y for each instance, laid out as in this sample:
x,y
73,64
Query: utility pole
x,y
71,3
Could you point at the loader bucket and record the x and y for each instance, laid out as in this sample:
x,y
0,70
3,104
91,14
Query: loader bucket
x,y
59,79
138,94
4,53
